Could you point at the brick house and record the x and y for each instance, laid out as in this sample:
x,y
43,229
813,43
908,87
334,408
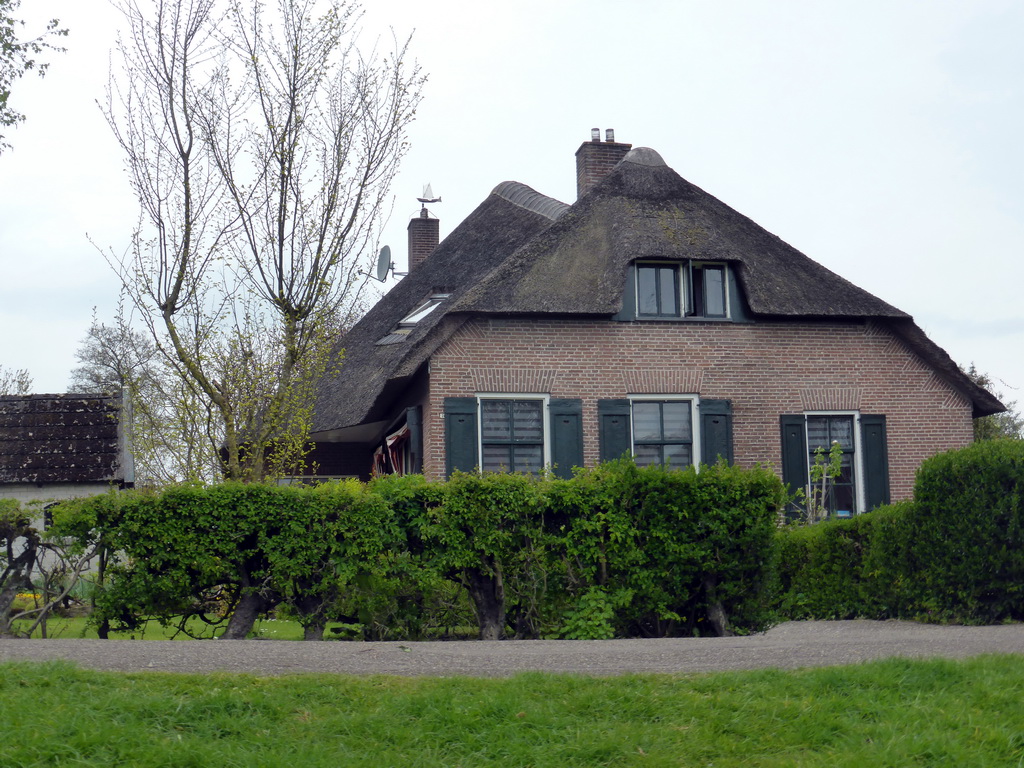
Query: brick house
x,y
648,318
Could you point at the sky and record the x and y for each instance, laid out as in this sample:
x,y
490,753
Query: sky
x,y
883,138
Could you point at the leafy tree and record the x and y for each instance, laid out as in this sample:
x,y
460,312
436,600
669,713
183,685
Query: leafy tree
x,y
18,57
261,151
1009,423
15,381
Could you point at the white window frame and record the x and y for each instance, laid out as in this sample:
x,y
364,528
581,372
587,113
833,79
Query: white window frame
x,y
858,454
694,400
545,400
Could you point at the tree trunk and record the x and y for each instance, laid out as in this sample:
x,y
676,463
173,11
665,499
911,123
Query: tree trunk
x,y
314,631
249,608
716,612
488,594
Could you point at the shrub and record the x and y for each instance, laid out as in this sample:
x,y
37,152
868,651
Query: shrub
x,y
844,569
966,534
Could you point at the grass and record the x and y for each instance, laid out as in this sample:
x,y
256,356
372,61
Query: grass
x,y
888,713
78,627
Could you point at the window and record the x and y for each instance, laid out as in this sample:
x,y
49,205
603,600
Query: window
x,y
663,432
822,431
691,289
863,481
513,433
422,310
663,429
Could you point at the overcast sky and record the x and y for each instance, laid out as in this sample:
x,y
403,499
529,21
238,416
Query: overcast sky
x,y
882,138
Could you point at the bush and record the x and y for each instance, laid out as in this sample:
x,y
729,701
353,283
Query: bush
x,y
672,550
845,569
966,534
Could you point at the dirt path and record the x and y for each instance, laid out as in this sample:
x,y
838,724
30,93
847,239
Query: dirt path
x,y
790,645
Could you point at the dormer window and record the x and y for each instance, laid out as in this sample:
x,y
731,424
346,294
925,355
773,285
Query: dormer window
x,y
422,310
691,289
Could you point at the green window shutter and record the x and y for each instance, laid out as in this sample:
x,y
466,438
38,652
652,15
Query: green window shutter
x,y
794,452
566,435
460,434
715,431
614,429
874,446
414,420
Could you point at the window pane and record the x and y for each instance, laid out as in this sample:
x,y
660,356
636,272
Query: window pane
x,y
495,421
841,429
678,456
668,292
646,421
645,455
646,290
527,458
526,420
714,291
817,433
677,420
496,458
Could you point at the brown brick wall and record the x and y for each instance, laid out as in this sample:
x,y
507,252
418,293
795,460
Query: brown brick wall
x,y
765,369
594,160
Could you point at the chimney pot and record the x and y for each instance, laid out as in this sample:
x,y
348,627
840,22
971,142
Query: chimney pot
x,y
595,159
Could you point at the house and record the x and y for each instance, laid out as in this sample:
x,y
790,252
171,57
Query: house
x,y
649,318
55,447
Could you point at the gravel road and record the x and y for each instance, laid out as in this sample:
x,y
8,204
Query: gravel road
x,y
791,645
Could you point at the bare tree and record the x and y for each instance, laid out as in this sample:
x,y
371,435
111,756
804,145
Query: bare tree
x,y
15,381
168,444
261,145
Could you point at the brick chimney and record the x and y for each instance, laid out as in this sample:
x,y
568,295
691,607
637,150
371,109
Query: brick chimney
x,y
424,235
596,158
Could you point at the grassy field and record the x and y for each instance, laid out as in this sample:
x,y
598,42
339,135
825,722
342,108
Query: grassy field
x,y
891,713
78,627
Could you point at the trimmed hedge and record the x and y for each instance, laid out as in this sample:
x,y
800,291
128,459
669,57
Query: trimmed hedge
x,y
966,548
616,550
956,553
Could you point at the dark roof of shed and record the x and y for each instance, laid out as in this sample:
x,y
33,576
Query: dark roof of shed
x,y
511,214
68,438
523,253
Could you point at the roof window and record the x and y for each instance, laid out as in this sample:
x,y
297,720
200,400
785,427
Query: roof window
x,y
422,310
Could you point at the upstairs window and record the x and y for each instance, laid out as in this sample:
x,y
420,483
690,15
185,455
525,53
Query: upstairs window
x,y
691,289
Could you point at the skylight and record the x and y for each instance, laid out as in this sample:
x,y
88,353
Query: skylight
x,y
422,310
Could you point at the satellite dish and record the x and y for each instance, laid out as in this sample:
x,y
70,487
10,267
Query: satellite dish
x,y
384,263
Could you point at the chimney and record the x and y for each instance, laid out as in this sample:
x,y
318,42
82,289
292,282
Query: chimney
x,y
596,158
424,235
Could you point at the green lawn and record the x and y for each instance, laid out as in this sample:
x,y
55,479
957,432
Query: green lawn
x,y
889,713
274,629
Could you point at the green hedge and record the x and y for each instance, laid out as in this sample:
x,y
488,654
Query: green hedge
x,y
955,553
614,551
966,531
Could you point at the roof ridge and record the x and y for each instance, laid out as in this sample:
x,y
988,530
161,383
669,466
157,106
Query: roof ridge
x,y
526,197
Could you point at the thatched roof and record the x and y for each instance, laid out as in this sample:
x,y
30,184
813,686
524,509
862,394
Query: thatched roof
x,y
522,253
644,209
376,361
71,438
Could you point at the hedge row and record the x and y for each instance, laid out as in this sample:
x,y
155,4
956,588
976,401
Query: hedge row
x,y
615,551
954,553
